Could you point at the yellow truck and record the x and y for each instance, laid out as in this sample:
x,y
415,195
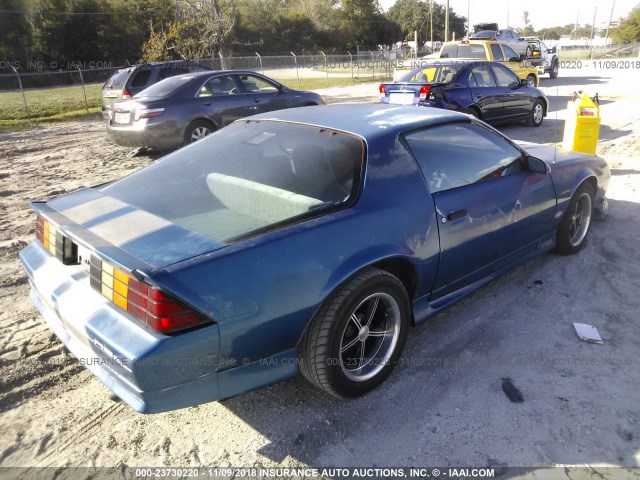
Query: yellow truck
x,y
493,51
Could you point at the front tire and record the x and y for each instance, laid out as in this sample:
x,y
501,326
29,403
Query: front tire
x,y
536,115
357,336
574,227
555,67
531,81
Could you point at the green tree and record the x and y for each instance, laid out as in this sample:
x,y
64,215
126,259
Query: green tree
x,y
414,16
628,31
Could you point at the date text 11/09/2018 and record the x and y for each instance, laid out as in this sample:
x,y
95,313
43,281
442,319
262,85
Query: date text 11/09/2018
x,y
600,64
310,472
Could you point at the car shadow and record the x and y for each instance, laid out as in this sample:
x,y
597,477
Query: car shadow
x,y
552,131
561,81
444,403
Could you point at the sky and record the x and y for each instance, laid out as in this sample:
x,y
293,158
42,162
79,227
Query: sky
x,y
542,13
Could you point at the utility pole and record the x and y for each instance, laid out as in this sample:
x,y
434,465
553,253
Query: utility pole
x,y
446,22
606,37
593,26
431,15
468,18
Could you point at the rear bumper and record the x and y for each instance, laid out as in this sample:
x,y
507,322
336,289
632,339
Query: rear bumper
x,y
149,371
153,135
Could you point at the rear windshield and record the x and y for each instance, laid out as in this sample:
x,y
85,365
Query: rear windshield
x,y
432,73
118,79
485,34
166,87
248,178
463,51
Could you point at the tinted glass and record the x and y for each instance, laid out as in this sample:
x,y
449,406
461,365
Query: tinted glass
x,y
497,52
140,78
504,76
510,52
247,178
224,85
257,85
118,79
463,51
170,71
432,73
455,155
166,87
482,76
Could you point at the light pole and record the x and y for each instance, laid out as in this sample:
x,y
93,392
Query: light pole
x,y
446,22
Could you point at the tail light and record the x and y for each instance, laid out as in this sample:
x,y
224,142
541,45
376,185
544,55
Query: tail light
x,y
424,92
126,94
383,91
145,302
55,242
148,113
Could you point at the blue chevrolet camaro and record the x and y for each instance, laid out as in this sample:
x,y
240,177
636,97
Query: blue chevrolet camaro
x,y
307,240
486,90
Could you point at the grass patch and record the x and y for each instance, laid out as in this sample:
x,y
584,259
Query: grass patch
x,y
50,104
67,103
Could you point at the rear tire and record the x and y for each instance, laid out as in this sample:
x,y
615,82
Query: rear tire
x,y
197,131
574,227
356,337
536,115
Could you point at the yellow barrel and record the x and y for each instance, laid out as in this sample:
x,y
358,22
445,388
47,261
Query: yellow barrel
x,y
582,126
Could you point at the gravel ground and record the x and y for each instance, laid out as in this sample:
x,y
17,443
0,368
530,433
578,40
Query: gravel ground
x,y
443,406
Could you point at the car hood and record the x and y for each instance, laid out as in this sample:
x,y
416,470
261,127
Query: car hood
x,y
126,235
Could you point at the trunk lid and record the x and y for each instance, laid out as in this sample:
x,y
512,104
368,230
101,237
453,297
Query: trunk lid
x,y
121,233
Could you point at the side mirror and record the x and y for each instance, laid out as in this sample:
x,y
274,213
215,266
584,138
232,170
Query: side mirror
x,y
514,85
523,82
538,166
523,57
552,50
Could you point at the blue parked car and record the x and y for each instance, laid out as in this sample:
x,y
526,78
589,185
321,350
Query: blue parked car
x,y
307,240
486,90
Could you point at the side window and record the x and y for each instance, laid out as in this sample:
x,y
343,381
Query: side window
x,y
472,80
171,72
497,52
455,155
224,85
140,78
257,85
504,76
483,76
510,53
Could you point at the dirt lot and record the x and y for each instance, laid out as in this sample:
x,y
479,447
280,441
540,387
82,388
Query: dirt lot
x,y
444,406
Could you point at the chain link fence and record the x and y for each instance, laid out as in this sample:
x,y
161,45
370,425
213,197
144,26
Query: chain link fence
x,y
31,97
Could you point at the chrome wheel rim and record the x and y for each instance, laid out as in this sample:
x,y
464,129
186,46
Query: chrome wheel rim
x,y
199,133
531,81
580,220
537,113
370,337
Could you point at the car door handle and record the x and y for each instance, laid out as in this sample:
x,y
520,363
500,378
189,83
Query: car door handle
x,y
456,215
256,100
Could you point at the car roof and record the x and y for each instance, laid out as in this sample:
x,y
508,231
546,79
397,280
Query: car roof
x,y
365,119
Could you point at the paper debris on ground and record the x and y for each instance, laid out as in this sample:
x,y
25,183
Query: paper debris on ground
x,y
588,333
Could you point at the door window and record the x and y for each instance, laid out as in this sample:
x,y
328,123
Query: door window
x,y
482,76
455,155
255,84
504,76
217,86
510,53
140,78
497,52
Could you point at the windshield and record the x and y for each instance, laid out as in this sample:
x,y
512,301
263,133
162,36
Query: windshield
x,y
248,177
436,73
166,87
